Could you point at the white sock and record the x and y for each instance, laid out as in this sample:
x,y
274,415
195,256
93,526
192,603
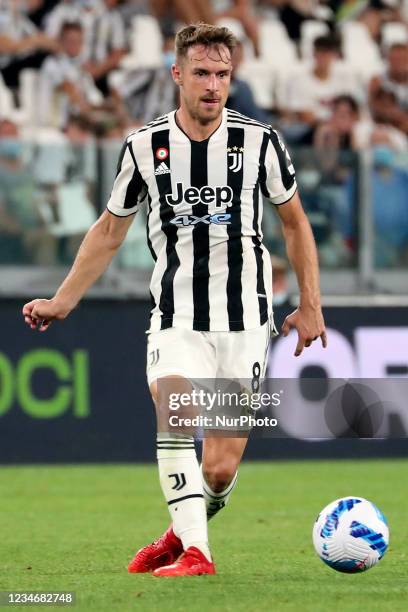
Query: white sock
x,y
215,502
180,480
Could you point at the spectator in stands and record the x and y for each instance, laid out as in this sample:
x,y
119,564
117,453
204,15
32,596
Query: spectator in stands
x,y
109,44
66,88
335,142
193,11
78,180
23,236
65,172
241,98
347,130
144,94
73,11
280,285
375,15
104,34
293,13
21,44
84,12
389,188
388,118
131,9
322,189
389,92
338,132
80,153
78,130
37,10
310,94
242,11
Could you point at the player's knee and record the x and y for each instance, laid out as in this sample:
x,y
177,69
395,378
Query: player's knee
x,y
219,475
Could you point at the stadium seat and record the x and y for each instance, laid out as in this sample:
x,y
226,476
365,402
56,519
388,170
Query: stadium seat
x,y
116,78
133,253
28,95
234,25
360,50
344,72
276,48
6,100
261,77
145,44
237,29
75,212
310,30
393,33
8,109
48,153
351,79
283,78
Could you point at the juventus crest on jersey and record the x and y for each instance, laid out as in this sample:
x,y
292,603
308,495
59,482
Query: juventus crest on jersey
x,y
204,212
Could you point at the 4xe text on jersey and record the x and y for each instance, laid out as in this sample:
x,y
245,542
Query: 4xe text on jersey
x,y
217,219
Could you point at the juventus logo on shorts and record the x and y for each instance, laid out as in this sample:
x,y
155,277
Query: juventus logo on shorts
x,y
236,153
154,357
180,481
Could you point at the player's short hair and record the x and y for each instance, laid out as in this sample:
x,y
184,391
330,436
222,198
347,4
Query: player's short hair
x,y
346,99
203,34
67,26
398,46
81,122
326,43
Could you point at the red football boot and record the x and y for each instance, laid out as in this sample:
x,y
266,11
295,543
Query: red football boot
x,y
191,563
163,551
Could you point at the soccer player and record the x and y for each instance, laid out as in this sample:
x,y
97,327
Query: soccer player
x,y
201,171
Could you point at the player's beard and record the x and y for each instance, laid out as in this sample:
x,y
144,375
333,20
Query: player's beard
x,y
205,117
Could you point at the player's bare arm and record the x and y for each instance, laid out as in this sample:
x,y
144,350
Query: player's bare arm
x,y
94,255
301,248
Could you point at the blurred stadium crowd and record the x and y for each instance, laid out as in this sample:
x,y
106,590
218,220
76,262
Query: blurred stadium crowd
x,y
331,75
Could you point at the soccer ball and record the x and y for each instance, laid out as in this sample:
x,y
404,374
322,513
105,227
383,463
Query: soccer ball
x,y
351,535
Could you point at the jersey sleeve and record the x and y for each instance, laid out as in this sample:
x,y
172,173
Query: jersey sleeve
x,y
279,183
129,189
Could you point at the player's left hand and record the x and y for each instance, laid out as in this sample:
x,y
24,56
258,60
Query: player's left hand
x,y
309,324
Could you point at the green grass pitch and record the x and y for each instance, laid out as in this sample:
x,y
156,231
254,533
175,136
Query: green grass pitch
x,y
75,528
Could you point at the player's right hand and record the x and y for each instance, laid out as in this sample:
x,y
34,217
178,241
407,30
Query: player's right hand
x,y
39,314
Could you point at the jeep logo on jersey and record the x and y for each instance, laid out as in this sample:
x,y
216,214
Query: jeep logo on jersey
x,y
219,196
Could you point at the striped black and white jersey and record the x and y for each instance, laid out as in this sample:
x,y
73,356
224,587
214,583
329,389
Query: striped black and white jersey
x,y
204,211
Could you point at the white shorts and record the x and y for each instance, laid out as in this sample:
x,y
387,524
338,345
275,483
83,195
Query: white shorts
x,y
207,355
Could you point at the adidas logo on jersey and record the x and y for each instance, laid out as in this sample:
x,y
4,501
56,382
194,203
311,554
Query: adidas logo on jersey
x,y
162,169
